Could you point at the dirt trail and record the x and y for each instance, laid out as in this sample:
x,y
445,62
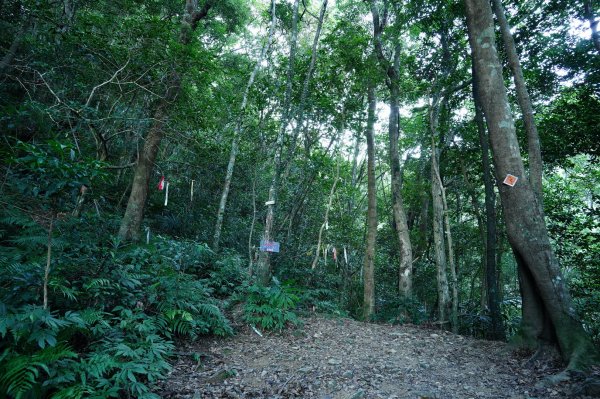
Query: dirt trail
x,y
346,359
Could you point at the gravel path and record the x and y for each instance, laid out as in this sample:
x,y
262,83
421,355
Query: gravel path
x,y
346,359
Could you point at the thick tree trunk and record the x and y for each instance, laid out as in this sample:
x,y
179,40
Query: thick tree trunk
x,y
525,225
263,266
491,281
134,213
238,130
369,265
533,139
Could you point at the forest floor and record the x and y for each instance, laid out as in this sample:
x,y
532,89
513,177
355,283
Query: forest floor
x,y
346,359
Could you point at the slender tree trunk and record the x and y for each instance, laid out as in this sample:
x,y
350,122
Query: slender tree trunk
x,y
48,260
308,78
134,213
482,233
444,302
533,139
392,70
250,235
406,256
525,224
238,130
354,180
369,265
451,261
424,225
326,219
14,47
263,266
491,281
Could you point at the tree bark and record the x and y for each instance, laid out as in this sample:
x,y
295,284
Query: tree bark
x,y
308,78
491,281
237,133
392,70
134,213
533,139
326,219
14,47
263,266
444,302
525,225
369,265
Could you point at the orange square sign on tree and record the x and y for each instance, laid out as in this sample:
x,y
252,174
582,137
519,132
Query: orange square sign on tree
x,y
510,180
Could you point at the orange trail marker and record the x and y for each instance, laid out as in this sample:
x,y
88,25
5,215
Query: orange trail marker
x,y
510,180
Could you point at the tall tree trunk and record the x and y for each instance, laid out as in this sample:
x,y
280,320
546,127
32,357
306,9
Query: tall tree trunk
x,y
326,219
442,234
437,195
263,266
238,130
406,257
491,281
481,229
525,224
392,70
369,265
309,74
533,139
451,260
134,213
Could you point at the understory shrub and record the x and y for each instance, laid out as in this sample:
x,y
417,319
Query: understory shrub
x,y
270,308
113,310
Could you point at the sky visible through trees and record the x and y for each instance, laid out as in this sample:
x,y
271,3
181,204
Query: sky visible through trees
x,y
168,161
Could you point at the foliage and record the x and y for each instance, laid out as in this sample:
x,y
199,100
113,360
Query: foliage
x,y
110,325
81,92
270,308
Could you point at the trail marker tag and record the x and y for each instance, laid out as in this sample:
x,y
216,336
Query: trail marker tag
x,y
270,203
269,246
510,180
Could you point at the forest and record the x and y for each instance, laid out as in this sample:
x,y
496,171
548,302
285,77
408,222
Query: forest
x,y
172,171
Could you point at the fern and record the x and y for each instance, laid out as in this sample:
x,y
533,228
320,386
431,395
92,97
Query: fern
x,y
21,373
270,308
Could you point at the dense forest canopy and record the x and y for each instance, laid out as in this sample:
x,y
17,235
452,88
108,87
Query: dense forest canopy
x,y
165,162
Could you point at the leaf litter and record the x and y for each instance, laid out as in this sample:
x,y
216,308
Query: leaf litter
x,y
346,359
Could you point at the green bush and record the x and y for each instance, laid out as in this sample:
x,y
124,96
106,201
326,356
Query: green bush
x,y
113,310
270,308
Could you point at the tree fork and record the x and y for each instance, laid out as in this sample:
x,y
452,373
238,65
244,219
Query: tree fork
x,y
525,224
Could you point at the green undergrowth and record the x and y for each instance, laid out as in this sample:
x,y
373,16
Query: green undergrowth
x,y
114,311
